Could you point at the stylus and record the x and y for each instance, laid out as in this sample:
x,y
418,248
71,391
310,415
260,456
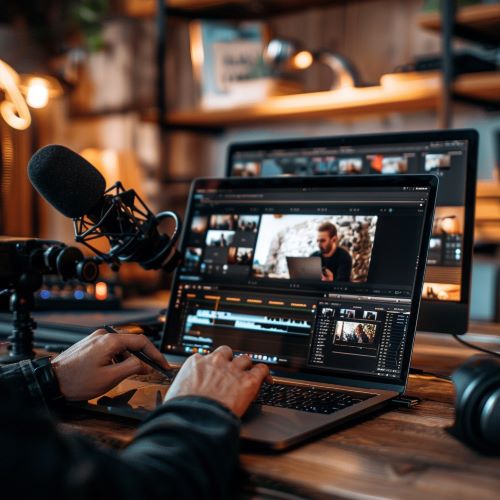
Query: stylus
x,y
169,374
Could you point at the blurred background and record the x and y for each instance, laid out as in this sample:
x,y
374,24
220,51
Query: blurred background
x,y
152,93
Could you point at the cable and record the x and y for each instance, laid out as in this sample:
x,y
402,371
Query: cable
x,y
472,346
418,371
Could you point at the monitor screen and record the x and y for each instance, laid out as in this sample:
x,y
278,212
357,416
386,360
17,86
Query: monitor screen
x,y
450,155
321,278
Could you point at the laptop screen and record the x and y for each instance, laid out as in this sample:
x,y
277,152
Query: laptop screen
x,y
306,275
449,155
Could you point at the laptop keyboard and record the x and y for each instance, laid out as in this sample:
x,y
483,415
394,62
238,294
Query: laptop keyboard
x,y
296,397
307,398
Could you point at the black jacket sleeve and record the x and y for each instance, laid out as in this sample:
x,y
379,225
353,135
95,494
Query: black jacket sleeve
x,y
187,449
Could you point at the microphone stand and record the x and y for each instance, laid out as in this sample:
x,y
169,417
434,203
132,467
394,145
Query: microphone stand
x,y
21,305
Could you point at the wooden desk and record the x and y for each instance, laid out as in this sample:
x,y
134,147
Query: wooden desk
x,y
404,453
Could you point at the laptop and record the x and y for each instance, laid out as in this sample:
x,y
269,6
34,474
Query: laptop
x,y
337,350
304,268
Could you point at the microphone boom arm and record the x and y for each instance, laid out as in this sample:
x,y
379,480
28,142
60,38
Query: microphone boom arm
x,y
124,214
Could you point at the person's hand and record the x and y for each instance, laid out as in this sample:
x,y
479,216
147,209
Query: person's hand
x,y
326,275
90,367
232,382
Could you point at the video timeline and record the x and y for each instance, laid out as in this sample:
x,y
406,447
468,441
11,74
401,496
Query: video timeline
x,y
276,326
250,322
283,331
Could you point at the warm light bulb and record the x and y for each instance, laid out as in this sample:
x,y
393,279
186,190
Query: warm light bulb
x,y
450,225
101,290
37,95
302,59
13,106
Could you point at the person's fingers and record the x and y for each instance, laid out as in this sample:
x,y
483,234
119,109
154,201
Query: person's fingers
x,y
242,362
259,372
97,333
223,352
120,371
195,357
146,369
190,363
124,341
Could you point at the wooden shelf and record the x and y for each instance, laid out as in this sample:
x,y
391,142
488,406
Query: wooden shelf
x,y
488,189
478,23
403,92
487,221
220,9
480,86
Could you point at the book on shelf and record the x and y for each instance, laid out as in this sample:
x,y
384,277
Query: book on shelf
x,y
228,64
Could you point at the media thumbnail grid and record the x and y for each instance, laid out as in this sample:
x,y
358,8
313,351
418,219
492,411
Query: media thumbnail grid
x,y
354,326
282,246
376,163
219,243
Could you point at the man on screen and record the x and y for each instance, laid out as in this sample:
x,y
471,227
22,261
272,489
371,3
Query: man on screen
x,y
360,336
335,260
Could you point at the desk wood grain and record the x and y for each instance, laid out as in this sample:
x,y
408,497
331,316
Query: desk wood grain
x,y
404,453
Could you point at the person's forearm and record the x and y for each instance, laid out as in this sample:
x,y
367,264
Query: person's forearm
x,y
193,441
187,450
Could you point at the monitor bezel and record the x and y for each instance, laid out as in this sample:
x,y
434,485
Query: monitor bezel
x,y
359,380
451,317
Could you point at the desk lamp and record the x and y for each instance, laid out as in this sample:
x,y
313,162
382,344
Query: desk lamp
x,y
286,55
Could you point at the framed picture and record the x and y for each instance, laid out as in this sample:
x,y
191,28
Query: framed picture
x,y
228,62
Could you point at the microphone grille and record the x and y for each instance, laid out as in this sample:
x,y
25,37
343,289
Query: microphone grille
x,y
66,180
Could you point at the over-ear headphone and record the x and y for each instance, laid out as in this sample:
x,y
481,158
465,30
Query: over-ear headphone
x,y
477,406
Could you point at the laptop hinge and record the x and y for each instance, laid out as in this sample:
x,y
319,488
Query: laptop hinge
x,y
361,384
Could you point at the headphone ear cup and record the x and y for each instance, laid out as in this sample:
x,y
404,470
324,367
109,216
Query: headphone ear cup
x,y
489,418
471,415
475,382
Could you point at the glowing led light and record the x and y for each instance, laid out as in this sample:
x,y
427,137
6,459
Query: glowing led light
x,y
37,94
302,59
13,108
101,290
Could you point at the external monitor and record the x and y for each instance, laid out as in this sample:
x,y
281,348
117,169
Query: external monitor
x,y
451,155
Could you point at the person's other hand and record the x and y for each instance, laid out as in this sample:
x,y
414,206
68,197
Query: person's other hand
x,y
326,275
90,367
232,382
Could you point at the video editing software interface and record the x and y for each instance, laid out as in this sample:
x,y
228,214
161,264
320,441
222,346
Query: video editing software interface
x,y
312,278
446,159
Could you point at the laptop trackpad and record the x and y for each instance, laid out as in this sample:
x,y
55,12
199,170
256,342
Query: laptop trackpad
x,y
272,427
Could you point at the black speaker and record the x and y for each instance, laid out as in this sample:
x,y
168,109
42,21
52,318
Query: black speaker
x,y
477,405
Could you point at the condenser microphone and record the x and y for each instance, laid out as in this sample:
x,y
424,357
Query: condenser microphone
x,y
77,189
